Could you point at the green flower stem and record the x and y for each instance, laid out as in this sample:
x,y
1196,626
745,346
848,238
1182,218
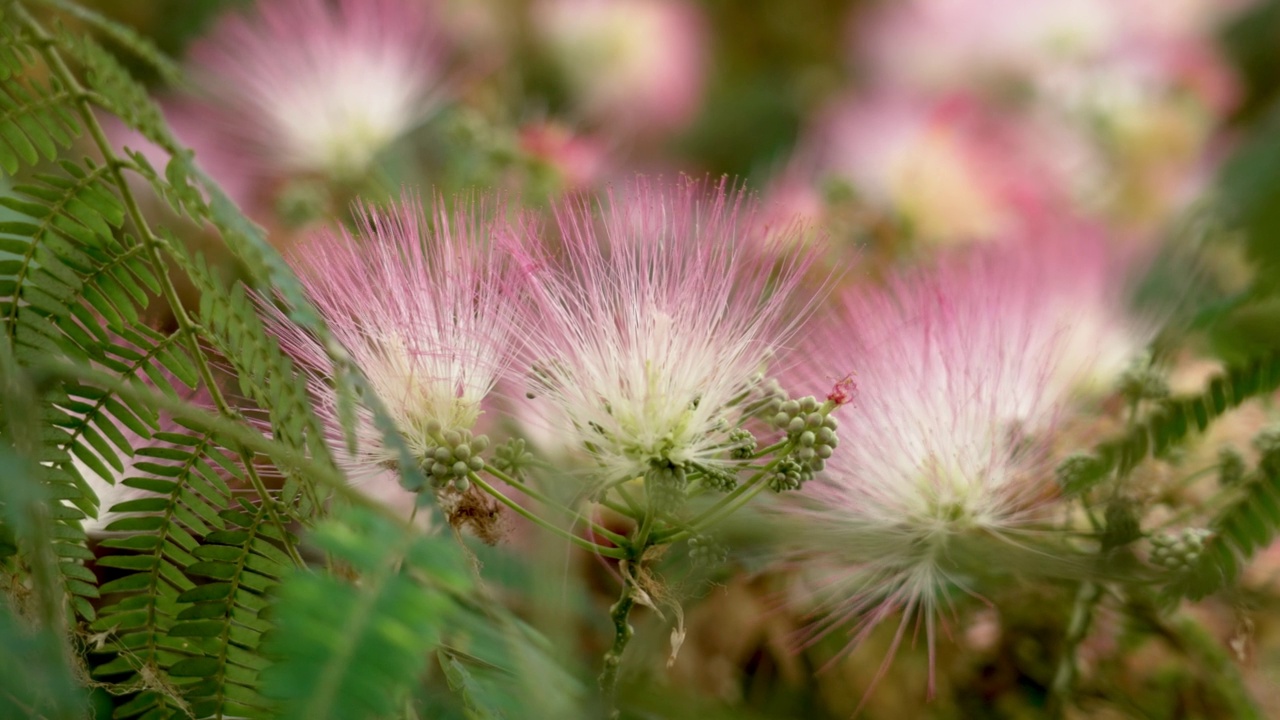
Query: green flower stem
x,y
637,512
772,448
152,247
626,511
645,530
620,613
1064,677
618,553
604,532
726,506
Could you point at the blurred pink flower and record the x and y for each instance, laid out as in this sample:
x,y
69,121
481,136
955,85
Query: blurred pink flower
x,y
953,169
423,305
311,86
193,132
965,373
579,161
945,45
656,316
949,44
1142,81
636,66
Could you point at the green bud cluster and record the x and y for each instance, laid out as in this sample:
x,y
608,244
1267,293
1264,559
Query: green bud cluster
x,y
457,456
813,438
1179,551
1078,471
511,457
743,444
1231,466
665,484
717,479
789,475
706,551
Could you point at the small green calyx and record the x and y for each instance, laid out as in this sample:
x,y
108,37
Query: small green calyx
x,y
665,484
455,455
512,457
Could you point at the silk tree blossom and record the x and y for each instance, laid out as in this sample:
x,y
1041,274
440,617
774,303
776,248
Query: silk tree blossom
x,y
952,167
312,86
653,321
1141,80
424,307
636,64
942,45
946,457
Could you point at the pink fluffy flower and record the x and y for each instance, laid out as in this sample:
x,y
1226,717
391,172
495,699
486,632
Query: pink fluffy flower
x,y
637,64
423,305
311,86
965,374
952,168
655,317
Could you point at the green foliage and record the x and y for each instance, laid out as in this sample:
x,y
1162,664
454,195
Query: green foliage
x,y
1245,526
185,625
38,681
388,620
124,36
187,564
1171,421
499,668
265,374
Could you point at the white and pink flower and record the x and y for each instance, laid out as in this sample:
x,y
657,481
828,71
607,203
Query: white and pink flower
x,y
652,320
423,305
311,86
636,65
967,372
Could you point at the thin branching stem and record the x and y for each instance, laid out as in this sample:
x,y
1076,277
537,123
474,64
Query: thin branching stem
x,y
1064,675
604,532
620,614
585,544
726,506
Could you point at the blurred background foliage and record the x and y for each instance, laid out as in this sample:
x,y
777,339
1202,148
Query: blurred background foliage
x,y
528,648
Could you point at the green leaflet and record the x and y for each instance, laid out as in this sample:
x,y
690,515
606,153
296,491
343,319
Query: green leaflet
x,y
1244,527
1174,419
348,649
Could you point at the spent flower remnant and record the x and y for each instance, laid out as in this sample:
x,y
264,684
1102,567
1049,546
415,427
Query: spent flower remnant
x,y
947,454
424,307
655,320
310,86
